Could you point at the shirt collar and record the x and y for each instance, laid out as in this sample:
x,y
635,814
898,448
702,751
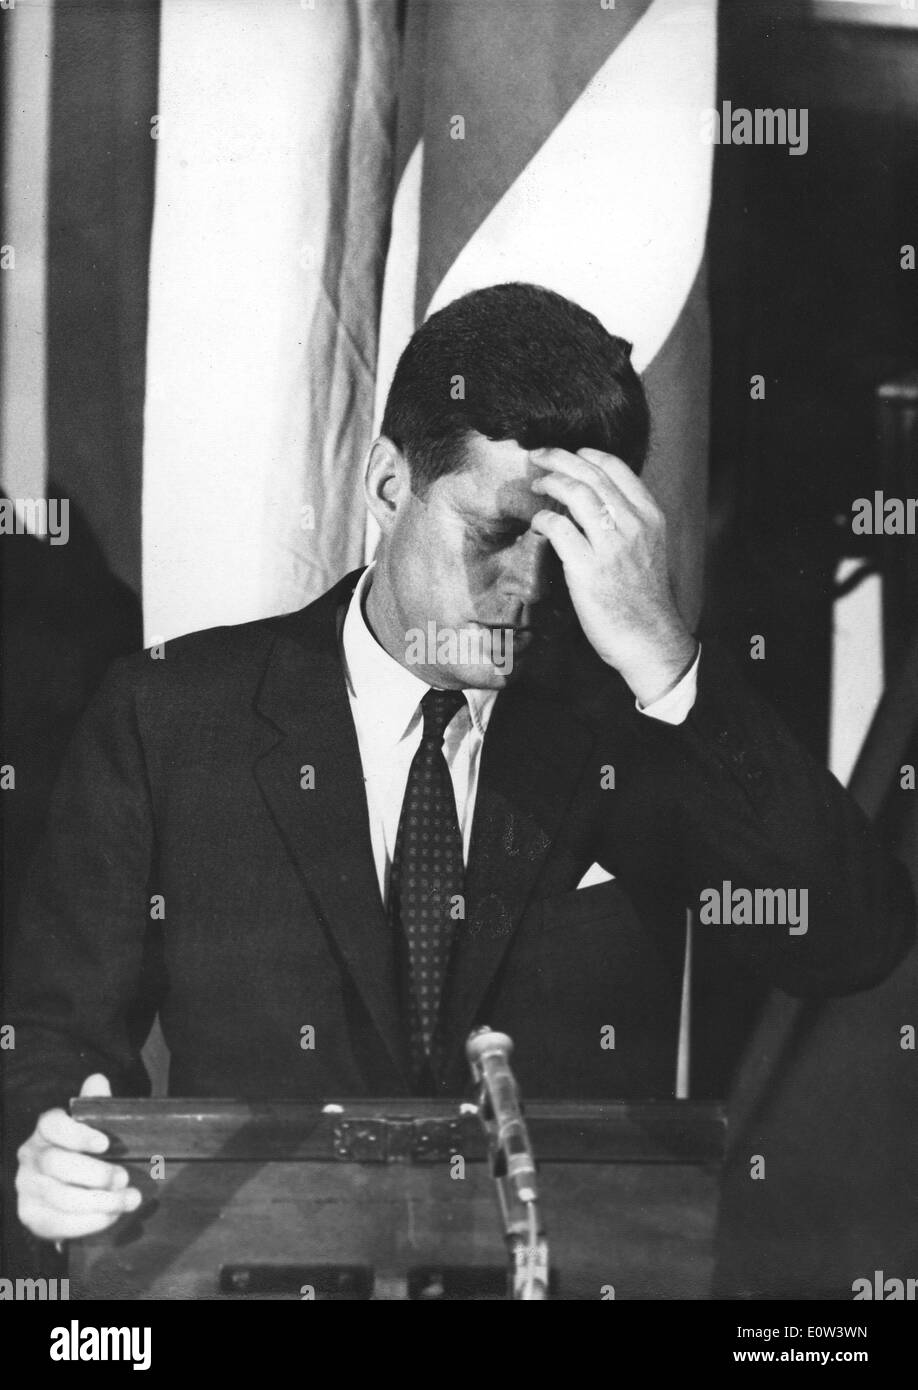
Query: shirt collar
x,y
381,684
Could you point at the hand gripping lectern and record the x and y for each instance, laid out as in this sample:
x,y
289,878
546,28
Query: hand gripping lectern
x,y
395,1199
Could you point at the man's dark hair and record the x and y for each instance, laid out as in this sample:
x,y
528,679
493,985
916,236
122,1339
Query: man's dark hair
x,y
530,365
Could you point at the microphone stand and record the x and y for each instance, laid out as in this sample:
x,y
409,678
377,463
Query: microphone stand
x,y
517,1201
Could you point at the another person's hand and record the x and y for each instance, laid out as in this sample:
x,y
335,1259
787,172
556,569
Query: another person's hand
x,y
64,1192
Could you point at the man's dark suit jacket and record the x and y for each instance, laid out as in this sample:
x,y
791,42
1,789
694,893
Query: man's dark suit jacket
x,y
185,783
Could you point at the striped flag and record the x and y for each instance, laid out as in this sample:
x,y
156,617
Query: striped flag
x,y
557,141
273,131
206,195
198,198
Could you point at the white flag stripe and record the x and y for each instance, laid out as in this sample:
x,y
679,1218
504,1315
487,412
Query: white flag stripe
x,y
857,683
612,211
247,362
27,126
397,314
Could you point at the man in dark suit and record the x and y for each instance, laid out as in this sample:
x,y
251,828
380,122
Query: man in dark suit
x,y
323,846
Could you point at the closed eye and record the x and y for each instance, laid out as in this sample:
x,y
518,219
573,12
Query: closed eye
x,y
498,538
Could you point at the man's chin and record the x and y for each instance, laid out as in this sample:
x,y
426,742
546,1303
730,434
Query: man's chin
x,y
485,676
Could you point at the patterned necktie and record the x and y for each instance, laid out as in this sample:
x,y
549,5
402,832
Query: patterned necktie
x,y
426,878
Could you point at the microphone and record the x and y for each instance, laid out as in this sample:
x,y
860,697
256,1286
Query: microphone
x,y
488,1054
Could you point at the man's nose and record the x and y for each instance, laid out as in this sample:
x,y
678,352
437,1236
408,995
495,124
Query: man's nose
x,y
528,574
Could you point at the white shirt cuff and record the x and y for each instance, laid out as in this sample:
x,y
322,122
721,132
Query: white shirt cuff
x,y
675,706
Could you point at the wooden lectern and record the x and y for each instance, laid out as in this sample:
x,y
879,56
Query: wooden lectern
x,y
395,1200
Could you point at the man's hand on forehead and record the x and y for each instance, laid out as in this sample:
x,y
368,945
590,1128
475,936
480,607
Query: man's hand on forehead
x,y
611,541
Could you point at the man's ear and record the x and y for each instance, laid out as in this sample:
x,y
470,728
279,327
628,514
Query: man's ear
x,y
386,481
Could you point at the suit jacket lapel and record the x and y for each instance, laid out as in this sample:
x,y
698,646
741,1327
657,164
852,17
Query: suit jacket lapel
x,y
533,755
326,828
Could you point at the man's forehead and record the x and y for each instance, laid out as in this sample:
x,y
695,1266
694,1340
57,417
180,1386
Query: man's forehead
x,y
496,477
497,458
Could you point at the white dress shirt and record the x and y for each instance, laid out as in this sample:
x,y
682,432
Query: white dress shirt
x,y
385,700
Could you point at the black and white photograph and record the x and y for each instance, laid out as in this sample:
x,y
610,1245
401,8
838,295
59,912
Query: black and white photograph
x,y
459,667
